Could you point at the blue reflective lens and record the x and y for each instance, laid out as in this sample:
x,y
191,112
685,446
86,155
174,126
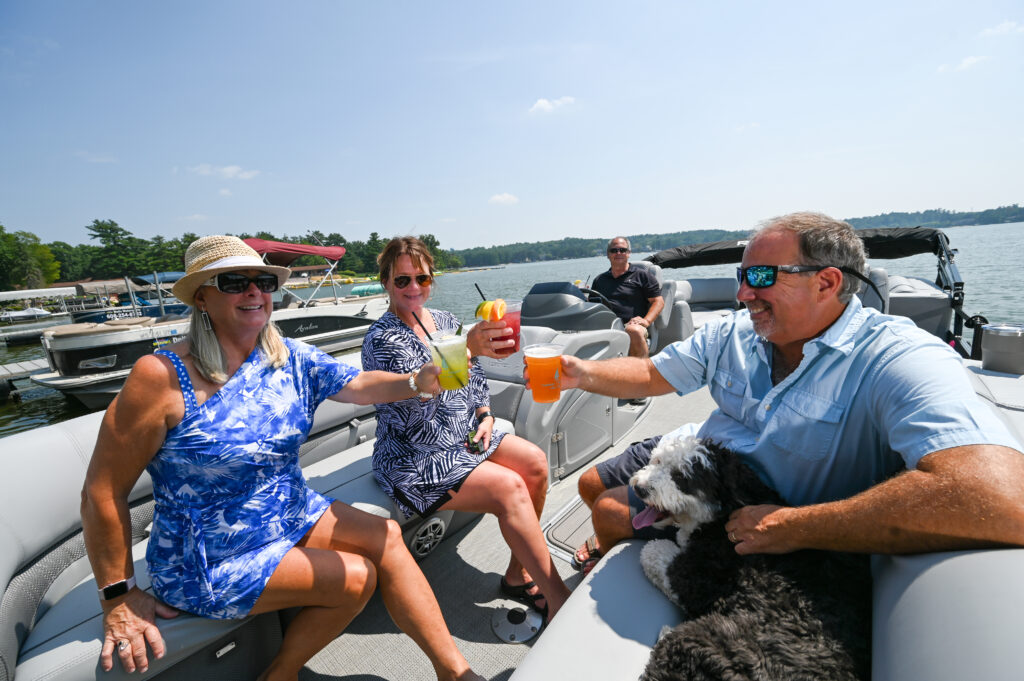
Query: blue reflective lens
x,y
757,276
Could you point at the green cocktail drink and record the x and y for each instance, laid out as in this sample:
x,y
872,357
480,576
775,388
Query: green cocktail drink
x,y
449,353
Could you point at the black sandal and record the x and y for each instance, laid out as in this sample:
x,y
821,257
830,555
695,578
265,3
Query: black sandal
x,y
593,555
522,594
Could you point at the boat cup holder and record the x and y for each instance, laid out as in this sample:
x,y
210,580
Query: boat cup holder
x,y
1002,348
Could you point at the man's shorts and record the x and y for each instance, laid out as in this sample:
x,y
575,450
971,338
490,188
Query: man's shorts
x,y
617,471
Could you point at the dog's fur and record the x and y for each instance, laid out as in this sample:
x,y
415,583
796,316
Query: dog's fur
x,y
801,615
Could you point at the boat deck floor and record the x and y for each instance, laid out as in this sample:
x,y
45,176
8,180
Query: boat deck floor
x,y
464,572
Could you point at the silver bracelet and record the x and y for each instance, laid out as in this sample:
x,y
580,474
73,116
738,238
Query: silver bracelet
x,y
415,388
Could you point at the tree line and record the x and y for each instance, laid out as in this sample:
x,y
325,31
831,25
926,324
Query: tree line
x,y
585,248
27,262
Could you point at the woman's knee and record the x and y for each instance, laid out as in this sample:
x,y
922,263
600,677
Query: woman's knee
x,y
358,583
535,470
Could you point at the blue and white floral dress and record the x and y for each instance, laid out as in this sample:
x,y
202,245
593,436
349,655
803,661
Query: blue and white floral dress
x,y
231,499
420,453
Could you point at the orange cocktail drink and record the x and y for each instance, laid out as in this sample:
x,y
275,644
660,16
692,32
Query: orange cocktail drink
x,y
545,363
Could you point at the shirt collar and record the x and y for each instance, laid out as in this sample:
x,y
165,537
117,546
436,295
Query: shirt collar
x,y
840,335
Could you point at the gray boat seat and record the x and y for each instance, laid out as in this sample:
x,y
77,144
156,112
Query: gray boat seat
x,y
698,301
668,293
580,425
936,617
607,628
869,297
50,617
928,305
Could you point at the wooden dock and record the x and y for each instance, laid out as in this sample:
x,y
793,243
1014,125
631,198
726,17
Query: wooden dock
x,y
23,369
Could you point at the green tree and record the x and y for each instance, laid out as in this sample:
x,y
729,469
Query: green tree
x,y
34,266
8,257
121,253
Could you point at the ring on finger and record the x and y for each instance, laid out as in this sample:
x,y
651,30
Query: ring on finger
x,y
122,644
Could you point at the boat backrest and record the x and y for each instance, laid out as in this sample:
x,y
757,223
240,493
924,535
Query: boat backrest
x,y
877,299
668,290
920,299
711,293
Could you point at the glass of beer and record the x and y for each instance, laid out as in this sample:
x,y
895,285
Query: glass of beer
x,y
545,363
449,353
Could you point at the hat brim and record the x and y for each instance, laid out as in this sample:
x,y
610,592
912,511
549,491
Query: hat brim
x,y
185,288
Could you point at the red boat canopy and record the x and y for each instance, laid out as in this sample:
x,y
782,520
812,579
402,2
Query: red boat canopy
x,y
283,254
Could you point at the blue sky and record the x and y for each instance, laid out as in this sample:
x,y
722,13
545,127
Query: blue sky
x,y
493,122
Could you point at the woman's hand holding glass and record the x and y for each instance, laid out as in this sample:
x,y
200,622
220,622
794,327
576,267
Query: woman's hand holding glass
x,y
489,339
427,379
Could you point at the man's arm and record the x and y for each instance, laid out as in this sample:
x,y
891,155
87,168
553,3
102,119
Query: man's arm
x,y
655,306
624,377
958,498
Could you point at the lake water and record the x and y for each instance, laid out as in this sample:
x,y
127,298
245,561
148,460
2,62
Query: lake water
x,y
987,255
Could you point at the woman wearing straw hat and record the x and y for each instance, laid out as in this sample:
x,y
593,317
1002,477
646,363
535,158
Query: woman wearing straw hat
x,y
218,421
421,458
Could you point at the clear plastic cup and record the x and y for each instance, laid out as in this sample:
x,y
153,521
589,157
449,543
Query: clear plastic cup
x,y
449,353
545,363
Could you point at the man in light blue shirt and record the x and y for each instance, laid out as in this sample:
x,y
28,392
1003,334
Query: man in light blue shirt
x,y
865,423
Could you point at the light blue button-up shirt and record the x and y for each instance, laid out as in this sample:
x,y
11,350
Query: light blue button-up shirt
x,y
872,395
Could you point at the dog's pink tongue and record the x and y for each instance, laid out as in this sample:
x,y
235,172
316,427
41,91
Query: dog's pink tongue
x,y
646,517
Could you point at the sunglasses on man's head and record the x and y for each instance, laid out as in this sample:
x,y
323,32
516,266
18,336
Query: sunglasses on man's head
x,y
233,282
618,250
763,276
403,280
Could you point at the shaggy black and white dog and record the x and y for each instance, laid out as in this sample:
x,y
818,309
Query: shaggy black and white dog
x,y
802,615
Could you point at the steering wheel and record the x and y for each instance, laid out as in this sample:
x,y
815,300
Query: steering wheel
x,y
596,297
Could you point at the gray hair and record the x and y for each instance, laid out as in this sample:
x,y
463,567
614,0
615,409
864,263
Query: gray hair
x,y
208,356
824,241
619,238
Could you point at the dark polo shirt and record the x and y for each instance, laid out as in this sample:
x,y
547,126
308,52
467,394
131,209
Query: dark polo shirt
x,y
630,292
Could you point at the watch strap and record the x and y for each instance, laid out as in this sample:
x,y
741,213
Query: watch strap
x,y
112,591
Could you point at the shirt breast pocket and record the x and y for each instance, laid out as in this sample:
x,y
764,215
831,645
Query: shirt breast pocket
x,y
730,393
806,424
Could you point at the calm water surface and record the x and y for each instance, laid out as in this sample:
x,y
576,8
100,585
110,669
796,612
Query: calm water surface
x,y
987,255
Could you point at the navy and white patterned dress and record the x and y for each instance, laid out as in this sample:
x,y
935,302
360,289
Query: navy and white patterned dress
x,y
420,453
231,499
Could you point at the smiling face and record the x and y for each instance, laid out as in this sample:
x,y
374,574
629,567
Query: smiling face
x,y
619,261
249,310
793,309
413,297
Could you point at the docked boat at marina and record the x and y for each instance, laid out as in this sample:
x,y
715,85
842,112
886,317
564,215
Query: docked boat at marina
x,y
940,616
89,361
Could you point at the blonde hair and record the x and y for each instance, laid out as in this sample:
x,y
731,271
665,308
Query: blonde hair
x,y
208,356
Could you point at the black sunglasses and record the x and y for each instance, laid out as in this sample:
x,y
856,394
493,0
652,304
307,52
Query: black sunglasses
x,y
618,250
233,282
403,280
763,276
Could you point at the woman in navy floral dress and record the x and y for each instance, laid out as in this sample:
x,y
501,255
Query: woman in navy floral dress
x,y
218,421
421,458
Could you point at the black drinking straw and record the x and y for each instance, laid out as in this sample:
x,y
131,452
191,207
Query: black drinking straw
x,y
444,360
479,291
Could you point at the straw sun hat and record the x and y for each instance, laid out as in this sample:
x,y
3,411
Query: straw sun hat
x,y
210,255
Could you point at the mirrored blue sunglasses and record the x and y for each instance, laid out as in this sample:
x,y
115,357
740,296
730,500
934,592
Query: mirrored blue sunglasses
x,y
763,276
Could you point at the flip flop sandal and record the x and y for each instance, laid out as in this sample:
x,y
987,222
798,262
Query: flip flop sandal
x,y
593,555
522,595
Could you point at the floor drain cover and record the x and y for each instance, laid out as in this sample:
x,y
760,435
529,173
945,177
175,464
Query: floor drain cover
x,y
516,625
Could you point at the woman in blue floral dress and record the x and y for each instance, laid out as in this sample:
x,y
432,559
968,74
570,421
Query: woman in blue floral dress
x,y
218,421
421,458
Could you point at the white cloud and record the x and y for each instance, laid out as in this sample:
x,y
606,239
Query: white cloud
x,y
966,63
224,172
225,192
546,106
196,217
1005,28
446,220
91,157
747,127
505,199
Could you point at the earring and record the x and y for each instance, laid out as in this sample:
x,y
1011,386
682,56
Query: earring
x,y
204,321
